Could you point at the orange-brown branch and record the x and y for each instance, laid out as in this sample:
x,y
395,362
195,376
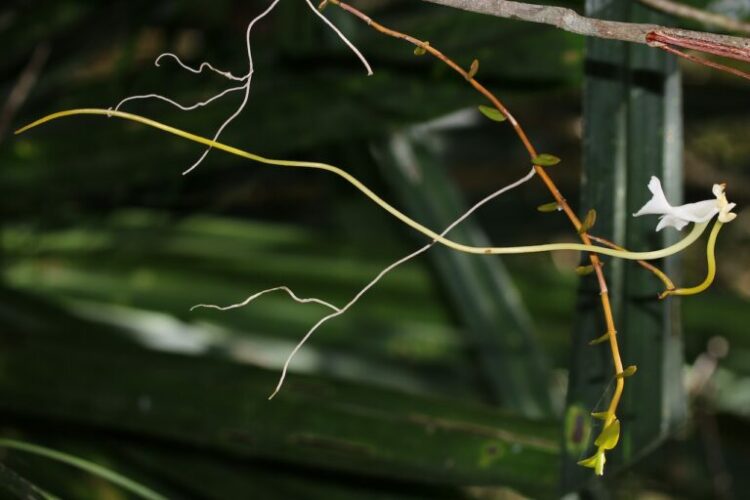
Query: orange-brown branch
x,y
549,183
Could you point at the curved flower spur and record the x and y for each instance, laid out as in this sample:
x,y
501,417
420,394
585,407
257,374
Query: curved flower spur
x,y
700,212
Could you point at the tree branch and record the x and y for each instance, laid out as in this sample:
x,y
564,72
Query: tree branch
x,y
569,20
708,18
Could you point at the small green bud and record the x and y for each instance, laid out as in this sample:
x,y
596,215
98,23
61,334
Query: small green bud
x,y
549,207
628,372
588,222
420,50
600,340
546,160
473,69
584,270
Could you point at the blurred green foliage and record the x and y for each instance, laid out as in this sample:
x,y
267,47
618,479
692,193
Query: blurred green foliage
x,y
105,247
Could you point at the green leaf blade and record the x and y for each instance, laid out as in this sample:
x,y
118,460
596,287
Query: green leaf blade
x,y
493,114
546,160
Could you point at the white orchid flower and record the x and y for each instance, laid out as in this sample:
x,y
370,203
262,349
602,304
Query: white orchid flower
x,y
678,217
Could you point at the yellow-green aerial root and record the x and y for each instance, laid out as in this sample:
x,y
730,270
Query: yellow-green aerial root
x,y
551,247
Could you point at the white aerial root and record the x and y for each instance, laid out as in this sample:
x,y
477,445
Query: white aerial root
x,y
255,296
388,269
373,282
247,79
226,74
342,36
176,104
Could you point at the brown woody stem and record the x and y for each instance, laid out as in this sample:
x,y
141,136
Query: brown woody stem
x,y
541,172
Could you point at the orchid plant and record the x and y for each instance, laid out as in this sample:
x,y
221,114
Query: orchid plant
x,y
699,213
678,217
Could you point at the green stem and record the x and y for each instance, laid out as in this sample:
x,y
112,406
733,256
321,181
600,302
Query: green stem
x,y
551,247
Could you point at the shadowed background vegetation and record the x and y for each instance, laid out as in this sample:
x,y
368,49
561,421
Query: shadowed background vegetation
x,y
447,380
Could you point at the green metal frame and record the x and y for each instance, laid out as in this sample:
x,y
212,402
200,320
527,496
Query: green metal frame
x,y
632,130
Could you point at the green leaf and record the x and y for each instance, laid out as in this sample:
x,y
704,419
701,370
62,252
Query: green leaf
x,y
473,69
420,50
493,114
549,207
584,270
588,222
370,443
546,160
595,462
125,483
601,339
628,372
601,415
589,462
609,437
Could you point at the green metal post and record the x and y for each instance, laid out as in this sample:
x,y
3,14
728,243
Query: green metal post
x,y
632,130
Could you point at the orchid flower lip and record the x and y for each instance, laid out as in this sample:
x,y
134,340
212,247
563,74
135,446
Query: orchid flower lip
x,y
725,208
679,216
